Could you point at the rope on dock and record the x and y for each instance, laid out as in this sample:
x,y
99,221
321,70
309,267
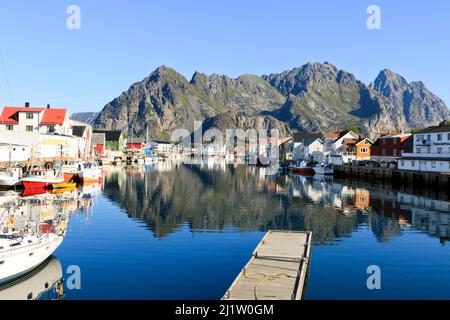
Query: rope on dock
x,y
264,278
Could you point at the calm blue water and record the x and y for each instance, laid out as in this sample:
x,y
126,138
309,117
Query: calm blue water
x,y
182,232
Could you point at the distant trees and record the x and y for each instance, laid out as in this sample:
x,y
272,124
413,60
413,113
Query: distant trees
x,y
354,129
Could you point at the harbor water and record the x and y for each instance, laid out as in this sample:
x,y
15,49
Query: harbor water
x,y
178,231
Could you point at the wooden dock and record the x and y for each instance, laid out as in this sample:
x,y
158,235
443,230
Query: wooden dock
x,y
277,270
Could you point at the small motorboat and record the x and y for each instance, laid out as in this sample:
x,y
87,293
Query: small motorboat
x,y
324,169
10,176
301,167
42,178
90,172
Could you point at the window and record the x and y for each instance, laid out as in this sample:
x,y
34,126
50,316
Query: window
x,y
384,141
439,150
50,129
30,116
395,152
413,163
433,164
9,127
419,150
394,141
448,136
384,152
29,128
402,162
439,136
364,150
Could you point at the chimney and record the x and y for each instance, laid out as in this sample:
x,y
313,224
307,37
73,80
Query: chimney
x,y
27,104
48,106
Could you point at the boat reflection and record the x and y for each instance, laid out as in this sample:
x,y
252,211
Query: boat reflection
x,y
43,282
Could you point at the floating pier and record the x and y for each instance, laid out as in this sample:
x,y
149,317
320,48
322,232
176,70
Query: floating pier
x,y
277,270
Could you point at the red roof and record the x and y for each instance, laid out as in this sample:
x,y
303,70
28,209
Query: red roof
x,y
350,141
54,116
51,116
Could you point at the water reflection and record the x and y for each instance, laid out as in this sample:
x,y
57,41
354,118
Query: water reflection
x,y
32,226
216,195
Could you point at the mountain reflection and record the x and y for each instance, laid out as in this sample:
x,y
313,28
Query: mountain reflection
x,y
214,197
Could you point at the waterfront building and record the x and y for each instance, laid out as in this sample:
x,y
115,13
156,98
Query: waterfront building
x,y
431,151
83,134
308,146
163,147
98,144
136,145
345,147
13,153
114,139
390,147
46,131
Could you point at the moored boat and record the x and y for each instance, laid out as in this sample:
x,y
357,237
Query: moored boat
x,y
70,170
324,169
90,172
301,167
26,242
41,178
10,176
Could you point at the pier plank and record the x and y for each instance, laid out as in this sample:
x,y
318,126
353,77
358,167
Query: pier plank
x,y
277,269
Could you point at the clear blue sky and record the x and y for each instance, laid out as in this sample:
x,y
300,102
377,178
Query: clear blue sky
x,y
121,42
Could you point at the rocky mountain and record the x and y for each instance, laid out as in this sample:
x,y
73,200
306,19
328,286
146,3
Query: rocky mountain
x,y
87,117
312,97
418,104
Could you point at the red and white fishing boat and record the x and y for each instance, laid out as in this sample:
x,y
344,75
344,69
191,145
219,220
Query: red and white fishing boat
x,y
41,178
302,168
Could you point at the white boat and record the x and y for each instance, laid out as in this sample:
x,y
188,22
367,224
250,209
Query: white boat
x,y
19,255
90,172
42,178
324,169
33,285
302,168
29,235
10,176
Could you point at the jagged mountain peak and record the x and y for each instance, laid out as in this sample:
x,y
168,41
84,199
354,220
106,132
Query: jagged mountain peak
x,y
310,97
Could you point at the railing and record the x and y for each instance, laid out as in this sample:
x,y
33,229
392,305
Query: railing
x,y
425,155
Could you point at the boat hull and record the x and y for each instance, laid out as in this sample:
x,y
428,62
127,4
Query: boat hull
x,y
69,176
5,182
304,171
36,184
